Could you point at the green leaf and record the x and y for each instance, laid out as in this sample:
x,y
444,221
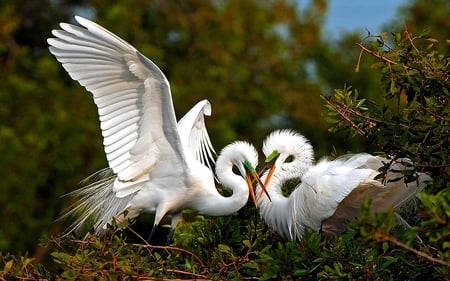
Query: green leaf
x,y
8,266
224,248
385,246
247,243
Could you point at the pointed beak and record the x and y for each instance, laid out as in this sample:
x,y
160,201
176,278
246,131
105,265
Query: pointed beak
x,y
266,181
248,178
272,169
250,171
251,189
263,186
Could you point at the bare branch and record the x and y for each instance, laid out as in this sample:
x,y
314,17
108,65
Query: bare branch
x,y
393,240
375,54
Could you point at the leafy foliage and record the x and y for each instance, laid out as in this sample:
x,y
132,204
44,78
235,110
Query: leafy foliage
x,y
414,120
259,68
251,251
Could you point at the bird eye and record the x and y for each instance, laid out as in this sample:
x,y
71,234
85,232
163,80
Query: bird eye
x,y
289,159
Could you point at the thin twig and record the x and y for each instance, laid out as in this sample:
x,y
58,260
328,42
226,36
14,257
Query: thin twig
x,y
408,35
359,60
136,277
146,245
409,248
352,111
375,54
435,115
186,273
345,116
203,277
373,119
53,239
138,236
172,248
81,241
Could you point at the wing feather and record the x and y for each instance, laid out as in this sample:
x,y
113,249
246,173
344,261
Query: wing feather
x,y
192,129
119,96
113,107
130,123
117,145
323,188
133,97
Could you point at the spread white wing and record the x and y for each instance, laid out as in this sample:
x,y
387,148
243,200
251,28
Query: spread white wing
x,y
193,133
133,97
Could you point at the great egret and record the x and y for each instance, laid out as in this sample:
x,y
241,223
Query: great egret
x,y
152,160
330,192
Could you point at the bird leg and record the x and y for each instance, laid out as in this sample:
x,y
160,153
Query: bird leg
x,y
152,233
169,239
175,219
163,252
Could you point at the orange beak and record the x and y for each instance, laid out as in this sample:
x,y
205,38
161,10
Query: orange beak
x,y
252,190
266,181
250,186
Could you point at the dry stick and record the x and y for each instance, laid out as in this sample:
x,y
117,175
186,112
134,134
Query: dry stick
x,y
53,239
369,118
165,248
435,115
24,278
359,60
185,273
345,116
137,277
172,248
176,279
153,247
376,55
408,35
356,113
138,236
417,252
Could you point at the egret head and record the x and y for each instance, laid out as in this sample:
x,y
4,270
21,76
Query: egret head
x,y
244,157
288,154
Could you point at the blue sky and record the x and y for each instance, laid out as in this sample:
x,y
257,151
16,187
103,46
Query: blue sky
x,y
350,15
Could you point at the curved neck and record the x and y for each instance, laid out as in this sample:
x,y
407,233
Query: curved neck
x,y
274,190
276,212
213,203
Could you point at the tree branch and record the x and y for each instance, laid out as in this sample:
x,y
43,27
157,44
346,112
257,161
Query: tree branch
x,y
360,44
388,238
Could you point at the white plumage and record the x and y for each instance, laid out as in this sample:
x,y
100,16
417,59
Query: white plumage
x,y
155,165
330,192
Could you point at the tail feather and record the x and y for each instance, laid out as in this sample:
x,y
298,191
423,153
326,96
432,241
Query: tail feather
x,y
401,188
97,203
392,191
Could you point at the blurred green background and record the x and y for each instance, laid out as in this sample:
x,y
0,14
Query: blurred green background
x,y
262,64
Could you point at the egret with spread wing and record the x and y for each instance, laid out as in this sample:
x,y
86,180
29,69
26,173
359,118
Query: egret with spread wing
x,y
330,192
155,164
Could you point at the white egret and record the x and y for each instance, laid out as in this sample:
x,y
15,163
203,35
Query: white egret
x,y
153,162
330,192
